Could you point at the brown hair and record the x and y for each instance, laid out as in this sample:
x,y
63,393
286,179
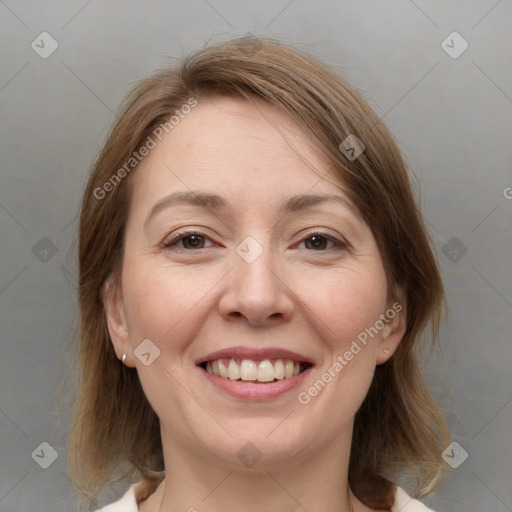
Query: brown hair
x,y
115,433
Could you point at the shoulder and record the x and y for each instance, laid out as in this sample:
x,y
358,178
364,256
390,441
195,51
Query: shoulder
x,y
404,503
127,503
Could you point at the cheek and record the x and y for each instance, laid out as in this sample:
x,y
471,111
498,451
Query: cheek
x,y
165,304
342,310
346,304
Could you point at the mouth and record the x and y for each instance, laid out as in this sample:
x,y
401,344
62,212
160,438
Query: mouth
x,y
255,374
257,365
255,370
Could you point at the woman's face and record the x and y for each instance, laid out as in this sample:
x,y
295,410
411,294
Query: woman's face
x,y
236,250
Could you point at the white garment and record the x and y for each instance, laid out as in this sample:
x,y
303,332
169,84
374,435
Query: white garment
x,y
403,503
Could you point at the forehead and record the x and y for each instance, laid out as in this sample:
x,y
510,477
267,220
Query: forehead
x,y
231,146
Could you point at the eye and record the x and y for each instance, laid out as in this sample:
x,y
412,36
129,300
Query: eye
x,y
315,241
321,241
188,240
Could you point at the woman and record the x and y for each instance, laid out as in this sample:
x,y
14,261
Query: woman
x,y
254,278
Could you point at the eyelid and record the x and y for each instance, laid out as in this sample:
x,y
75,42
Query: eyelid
x,y
339,242
180,234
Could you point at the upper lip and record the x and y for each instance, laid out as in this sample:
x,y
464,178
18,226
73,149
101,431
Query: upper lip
x,y
255,354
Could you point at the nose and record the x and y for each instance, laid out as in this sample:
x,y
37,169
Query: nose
x,y
257,292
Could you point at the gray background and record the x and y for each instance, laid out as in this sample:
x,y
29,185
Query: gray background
x,y
451,116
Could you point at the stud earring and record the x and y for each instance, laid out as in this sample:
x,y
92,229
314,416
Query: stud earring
x,y
123,359
386,351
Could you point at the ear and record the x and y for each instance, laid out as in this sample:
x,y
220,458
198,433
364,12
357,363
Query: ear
x,y
395,325
112,296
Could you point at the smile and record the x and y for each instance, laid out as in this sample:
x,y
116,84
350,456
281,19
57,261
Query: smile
x,y
266,370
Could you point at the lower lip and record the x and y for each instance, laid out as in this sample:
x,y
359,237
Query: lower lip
x,y
255,390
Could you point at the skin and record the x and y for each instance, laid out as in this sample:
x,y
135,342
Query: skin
x,y
312,298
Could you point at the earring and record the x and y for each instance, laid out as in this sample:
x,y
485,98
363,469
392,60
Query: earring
x,y
386,351
123,359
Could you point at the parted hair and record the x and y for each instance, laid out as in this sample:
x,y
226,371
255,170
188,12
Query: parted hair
x,y
399,428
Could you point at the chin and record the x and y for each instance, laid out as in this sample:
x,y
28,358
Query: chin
x,y
258,448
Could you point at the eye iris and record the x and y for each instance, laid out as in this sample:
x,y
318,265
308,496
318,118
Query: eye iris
x,y
192,241
318,242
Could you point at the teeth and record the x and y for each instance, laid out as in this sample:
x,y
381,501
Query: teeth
x,y
279,369
265,371
233,370
288,369
223,369
249,370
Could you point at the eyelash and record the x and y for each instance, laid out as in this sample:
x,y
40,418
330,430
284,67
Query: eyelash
x,y
338,244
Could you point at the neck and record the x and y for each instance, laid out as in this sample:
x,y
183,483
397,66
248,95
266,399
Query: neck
x,y
314,482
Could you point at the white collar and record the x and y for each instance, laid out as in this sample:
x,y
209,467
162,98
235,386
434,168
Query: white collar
x,y
403,503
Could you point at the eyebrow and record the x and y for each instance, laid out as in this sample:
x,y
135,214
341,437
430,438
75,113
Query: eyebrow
x,y
217,203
